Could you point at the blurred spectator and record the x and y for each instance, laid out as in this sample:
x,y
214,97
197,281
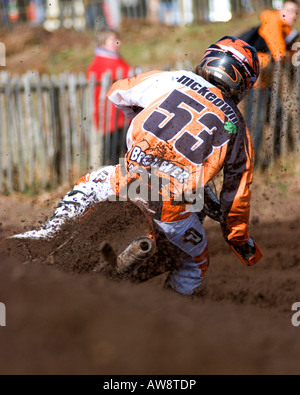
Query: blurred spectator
x,y
37,11
94,14
22,8
40,10
4,11
277,29
107,58
169,12
273,42
247,4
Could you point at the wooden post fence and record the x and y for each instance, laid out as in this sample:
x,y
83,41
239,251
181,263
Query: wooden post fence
x,y
48,135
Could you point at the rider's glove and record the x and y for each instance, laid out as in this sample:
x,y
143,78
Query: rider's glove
x,y
248,253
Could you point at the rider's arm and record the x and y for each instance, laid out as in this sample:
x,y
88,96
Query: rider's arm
x,y
131,95
273,30
235,197
235,194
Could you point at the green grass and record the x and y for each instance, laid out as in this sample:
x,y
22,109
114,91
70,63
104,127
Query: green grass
x,y
154,46
69,60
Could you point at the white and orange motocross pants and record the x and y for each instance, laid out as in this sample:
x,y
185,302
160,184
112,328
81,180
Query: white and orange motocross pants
x,y
185,232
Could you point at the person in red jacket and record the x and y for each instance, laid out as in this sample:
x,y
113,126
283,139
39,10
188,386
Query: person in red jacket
x,y
108,59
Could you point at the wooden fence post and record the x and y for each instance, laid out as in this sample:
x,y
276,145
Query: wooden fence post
x,y
105,115
65,129
275,95
86,119
29,127
74,134
41,129
296,109
56,129
2,149
286,92
9,170
21,138
47,130
93,141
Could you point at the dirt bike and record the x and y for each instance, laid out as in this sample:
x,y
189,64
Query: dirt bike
x,y
144,247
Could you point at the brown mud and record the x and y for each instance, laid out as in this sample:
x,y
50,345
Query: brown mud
x,y
64,318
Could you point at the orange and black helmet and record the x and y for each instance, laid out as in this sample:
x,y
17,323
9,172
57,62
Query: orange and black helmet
x,y
231,65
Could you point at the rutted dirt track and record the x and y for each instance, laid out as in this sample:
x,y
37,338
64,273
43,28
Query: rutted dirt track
x,y
61,321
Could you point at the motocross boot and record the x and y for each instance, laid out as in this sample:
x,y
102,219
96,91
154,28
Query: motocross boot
x,y
73,205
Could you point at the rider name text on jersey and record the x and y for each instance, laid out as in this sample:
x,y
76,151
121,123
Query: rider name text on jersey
x,y
164,166
210,96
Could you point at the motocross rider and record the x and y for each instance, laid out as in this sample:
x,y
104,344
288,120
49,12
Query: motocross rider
x,y
185,129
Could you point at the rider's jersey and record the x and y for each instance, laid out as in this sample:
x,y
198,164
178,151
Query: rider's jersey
x,y
182,124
